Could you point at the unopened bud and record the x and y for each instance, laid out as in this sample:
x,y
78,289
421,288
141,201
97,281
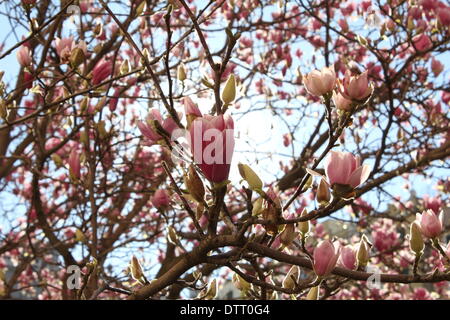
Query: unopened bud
x,y
240,283
141,8
172,235
288,235
146,55
313,293
304,226
363,253
136,269
125,67
57,160
257,207
291,279
98,29
76,57
84,104
229,91
194,185
79,236
212,290
181,72
247,173
415,239
323,193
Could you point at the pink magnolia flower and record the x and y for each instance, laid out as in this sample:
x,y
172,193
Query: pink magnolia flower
x,y
348,257
422,42
447,250
431,224
24,56
212,144
443,15
433,203
437,67
190,108
101,71
148,128
325,258
355,87
340,102
64,47
321,82
345,169
160,199
28,79
74,164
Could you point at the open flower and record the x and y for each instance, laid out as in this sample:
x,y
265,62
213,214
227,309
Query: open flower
x,y
148,128
355,87
321,82
344,168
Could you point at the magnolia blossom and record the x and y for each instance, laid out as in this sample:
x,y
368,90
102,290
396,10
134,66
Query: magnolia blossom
x,y
325,258
340,102
160,198
348,257
321,82
422,42
355,87
212,144
431,224
437,67
101,71
24,56
443,15
433,203
74,164
190,108
64,47
148,128
345,169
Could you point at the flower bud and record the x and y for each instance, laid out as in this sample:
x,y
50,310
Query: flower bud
x,y
362,255
288,235
77,57
240,283
254,182
323,195
212,290
291,279
431,224
172,235
181,72
74,165
125,67
194,185
257,207
313,293
304,226
136,269
325,257
79,236
229,91
415,238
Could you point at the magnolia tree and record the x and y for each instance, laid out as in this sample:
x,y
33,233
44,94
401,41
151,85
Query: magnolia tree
x,y
119,174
